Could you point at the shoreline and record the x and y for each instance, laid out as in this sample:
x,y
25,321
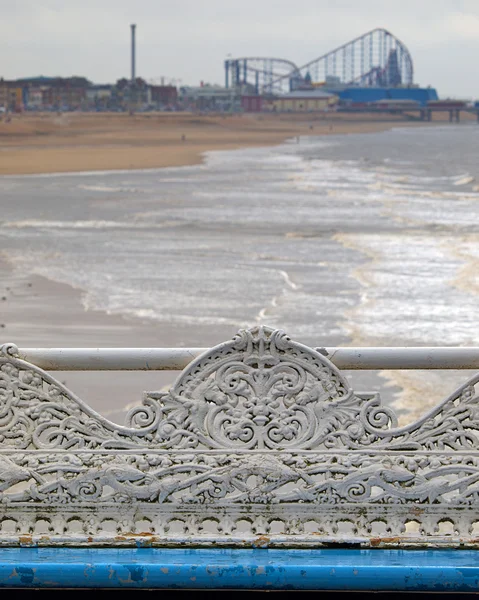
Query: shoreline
x,y
40,312
47,144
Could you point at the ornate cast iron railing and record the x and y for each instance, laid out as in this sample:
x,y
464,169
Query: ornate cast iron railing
x,y
260,442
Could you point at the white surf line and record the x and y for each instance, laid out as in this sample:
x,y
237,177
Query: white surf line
x,y
288,281
467,279
262,313
274,302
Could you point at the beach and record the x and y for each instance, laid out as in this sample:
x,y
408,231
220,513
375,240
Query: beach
x,y
367,242
76,142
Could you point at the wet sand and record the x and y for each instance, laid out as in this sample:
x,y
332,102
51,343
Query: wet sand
x,y
36,312
54,143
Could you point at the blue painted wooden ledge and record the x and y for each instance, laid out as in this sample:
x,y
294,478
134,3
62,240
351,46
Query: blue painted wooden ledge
x,y
342,569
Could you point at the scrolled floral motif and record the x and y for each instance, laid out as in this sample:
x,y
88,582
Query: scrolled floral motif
x,y
259,391
371,479
9,350
258,430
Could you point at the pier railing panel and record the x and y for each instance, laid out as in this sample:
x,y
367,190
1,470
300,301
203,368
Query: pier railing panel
x,y
260,442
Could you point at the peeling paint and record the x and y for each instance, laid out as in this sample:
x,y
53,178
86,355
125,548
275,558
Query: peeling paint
x,y
26,574
25,540
335,569
261,542
136,573
390,541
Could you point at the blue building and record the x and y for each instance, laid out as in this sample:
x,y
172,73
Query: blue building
x,y
365,95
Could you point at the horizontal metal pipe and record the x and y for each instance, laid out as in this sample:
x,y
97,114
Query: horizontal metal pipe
x,y
174,359
110,359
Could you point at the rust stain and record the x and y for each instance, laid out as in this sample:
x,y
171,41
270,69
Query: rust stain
x,y
417,511
261,541
375,542
26,539
130,534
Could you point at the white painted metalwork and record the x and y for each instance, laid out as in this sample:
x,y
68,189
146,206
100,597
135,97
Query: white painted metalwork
x,y
260,442
166,359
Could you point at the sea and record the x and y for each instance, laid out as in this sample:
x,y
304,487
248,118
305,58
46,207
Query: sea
x,y
348,240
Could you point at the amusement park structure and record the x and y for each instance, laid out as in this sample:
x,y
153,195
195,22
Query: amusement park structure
x,y
375,59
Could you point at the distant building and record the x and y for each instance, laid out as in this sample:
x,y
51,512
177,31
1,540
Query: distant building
x,y
164,96
11,96
67,94
252,103
303,101
209,97
34,91
78,93
34,97
351,96
99,96
133,95
57,93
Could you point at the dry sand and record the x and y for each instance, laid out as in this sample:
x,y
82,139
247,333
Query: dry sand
x,y
50,142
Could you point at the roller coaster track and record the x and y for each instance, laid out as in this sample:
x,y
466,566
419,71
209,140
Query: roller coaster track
x,y
376,58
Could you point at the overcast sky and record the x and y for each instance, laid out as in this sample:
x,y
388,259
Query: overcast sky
x,y
188,40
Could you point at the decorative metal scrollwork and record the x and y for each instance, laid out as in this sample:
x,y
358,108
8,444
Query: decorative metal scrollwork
x,y
260,436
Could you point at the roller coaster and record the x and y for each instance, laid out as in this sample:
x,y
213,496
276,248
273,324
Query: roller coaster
x,y
374,59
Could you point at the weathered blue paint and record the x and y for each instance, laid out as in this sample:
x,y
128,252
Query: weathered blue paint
x,y
342,569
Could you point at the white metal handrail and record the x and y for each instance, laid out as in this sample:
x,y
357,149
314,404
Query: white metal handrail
x,y
260,442
170,359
